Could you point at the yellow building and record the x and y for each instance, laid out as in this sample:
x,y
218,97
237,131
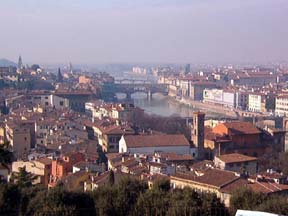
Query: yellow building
x,y
40,168
2,134
19,139
223,183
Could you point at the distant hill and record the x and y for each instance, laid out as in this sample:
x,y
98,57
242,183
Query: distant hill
x,y
7,63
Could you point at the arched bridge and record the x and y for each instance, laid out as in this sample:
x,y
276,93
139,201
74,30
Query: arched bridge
x,y
109,90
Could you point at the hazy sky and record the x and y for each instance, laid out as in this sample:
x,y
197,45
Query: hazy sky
x,y
107,31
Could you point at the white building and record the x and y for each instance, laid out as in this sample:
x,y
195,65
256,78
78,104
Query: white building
x,y
219,96
281,105
149,144
255,102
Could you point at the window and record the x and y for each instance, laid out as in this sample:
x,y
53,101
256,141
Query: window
x,y
61,103
46,103
46,97
25,138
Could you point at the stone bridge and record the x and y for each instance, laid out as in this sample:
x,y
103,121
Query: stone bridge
x,y
109,90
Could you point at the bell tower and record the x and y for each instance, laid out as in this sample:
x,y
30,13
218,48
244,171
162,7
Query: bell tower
x,y
198,132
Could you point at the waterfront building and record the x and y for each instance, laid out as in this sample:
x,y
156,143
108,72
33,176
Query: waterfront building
x,y
281,105
259,102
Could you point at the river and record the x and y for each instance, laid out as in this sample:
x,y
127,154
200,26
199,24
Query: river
x,y
163,106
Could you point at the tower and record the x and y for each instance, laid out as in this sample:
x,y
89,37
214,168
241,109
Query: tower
x,y
187,69
20,64
70,68
198,132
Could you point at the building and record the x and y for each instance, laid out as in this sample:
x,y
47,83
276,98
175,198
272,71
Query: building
x,y
258,102
196,89
226,97
2,133
254,79
48,99
281,105
77,98
243,138
109,134
84,80
237,163
40,167
255,103
19,139
223,183
154,143
61,167
198,133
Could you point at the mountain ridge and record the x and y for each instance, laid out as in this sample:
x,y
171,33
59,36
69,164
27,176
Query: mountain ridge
x,y
6,63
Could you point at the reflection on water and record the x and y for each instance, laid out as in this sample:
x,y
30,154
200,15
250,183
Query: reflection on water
x,y
161,105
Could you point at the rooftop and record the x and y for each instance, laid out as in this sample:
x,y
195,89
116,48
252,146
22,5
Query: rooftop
x,y
135,141
235,158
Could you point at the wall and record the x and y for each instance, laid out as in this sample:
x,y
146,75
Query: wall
x,y
254,103
250,166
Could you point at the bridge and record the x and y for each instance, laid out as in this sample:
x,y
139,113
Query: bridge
x,y
134,81
109,90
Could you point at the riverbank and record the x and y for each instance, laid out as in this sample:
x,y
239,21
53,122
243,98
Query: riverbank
x,y
218,111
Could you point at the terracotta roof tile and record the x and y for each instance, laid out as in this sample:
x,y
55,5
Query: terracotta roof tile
x,y
212,177
135,141
235,158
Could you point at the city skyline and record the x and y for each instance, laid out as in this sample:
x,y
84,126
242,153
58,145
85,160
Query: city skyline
x,y
88,32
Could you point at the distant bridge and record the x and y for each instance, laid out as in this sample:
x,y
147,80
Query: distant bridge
x,y
134,81
109,90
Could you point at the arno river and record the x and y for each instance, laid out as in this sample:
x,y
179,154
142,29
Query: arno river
x,y
162,106
158,105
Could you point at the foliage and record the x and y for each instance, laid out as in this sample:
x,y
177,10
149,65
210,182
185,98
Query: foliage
x,y
249,200
120,198
60,202
162,185
170,125
23,178
278,161
6,156
111,178
10,197
131,197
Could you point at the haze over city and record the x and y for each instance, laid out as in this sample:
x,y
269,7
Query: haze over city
x,y
91,32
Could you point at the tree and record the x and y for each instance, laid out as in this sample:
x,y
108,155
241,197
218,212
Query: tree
x,y
185,202
6,156
111,178
128,191
274,204
10,197
153,202
245,198
23,178
212,206
60,202
162,184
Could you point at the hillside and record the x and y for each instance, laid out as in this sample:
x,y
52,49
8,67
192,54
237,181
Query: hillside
x,y
6,63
